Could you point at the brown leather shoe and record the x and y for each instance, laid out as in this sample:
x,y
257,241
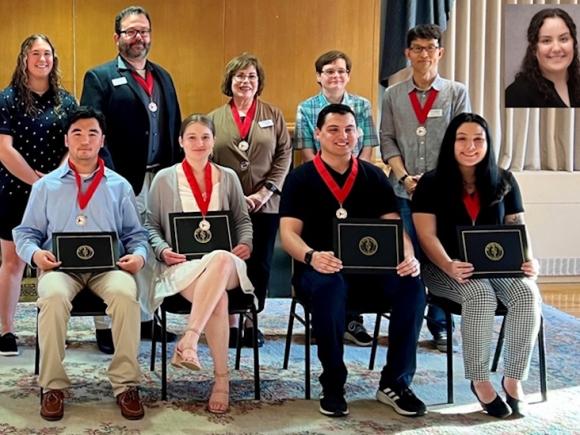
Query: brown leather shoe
x,y
130,404
52,407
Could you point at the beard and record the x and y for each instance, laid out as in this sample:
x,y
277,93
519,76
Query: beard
x,y
134,50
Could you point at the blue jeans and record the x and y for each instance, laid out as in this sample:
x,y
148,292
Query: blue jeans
x,y
329,295
435,316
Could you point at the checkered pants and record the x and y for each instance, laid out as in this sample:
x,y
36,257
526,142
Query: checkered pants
x,y
478,299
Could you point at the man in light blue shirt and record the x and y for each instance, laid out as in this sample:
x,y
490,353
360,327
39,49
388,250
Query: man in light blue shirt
x,y
102,202
333,74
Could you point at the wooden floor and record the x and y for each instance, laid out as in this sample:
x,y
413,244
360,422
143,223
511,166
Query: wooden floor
x,y
564,296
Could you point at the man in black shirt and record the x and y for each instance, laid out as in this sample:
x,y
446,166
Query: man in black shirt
x,y
307,211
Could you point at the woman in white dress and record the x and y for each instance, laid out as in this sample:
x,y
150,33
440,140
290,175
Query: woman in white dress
x,y
197,185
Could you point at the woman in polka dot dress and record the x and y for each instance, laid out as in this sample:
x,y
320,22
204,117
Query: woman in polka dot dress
x,y
32,111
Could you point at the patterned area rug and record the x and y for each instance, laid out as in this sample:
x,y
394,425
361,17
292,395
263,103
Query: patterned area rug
x,y
90,407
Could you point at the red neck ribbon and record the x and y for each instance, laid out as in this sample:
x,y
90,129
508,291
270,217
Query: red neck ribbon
x,y
84,198
421,113
203,203
339,193
146,83
243,126
472,204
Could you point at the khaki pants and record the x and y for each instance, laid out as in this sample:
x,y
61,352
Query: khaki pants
x,y
117,288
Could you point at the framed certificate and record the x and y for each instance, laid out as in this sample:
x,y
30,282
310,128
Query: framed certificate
x,y
496,251
368,245
193,240
86,252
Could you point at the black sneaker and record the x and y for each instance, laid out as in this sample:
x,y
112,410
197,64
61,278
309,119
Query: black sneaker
x,y
8,346
440,341
403,401
333,405
357,334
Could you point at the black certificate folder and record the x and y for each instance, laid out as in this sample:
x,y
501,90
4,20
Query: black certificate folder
x,y
368,245
86,252
194,242
496,251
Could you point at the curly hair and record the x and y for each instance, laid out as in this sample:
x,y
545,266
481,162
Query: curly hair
x,y
20,76
240,62
530,68
488,179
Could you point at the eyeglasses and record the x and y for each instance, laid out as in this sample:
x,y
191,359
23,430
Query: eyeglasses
x,y
417,49
331,72
132,33
242,77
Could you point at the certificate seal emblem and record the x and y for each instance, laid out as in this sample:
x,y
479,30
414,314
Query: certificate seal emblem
x,y
368,246
494,251
202,236
85,252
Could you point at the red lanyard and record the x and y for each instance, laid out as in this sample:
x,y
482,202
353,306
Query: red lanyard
x,y
147,83
203,203
421,113
84,198
243,126
339,193
472,204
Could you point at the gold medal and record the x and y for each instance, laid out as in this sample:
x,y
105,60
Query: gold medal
x,y
81,220
152,106
204,225
341,213
244,146
421,131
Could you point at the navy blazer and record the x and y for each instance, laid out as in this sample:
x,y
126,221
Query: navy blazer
x,y
127,132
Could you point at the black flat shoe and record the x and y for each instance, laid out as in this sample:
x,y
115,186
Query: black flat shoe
x,y
147,330
105,341
248,337
519,407
496,408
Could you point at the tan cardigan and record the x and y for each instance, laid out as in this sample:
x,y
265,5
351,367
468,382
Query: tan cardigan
x,y
270,153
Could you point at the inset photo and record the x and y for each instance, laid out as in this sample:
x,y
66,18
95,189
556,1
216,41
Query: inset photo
x,y
541,60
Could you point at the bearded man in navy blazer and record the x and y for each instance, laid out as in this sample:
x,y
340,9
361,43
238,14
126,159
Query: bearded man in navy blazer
x,y
140,105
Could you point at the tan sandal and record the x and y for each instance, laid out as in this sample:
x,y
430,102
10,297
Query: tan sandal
x,y
187,358
221,393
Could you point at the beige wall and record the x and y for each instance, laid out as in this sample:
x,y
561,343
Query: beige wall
x,y
193,39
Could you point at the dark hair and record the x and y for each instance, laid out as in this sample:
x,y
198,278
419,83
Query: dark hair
x,y
424,31
20,76
242,61
331,56
131,10
530,68
341,109
197,118
85,112
487,174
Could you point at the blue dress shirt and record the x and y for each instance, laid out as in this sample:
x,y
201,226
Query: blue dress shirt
x,y
53,207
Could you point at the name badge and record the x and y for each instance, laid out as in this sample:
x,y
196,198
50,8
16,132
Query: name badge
x,y
266,123
119,81
435,113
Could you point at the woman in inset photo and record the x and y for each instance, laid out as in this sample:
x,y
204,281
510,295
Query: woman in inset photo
x,y
550,72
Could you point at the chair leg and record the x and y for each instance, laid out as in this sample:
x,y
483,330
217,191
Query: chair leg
x,y
448,325
256,355
153,345
542,355
37,352
164,354
499,347
308,338
289,334
375,341
239,346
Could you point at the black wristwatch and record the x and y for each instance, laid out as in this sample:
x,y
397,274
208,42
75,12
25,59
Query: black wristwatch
x,y
402,179
308,257
271,187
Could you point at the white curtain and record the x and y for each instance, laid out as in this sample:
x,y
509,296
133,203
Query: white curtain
x,y
525,139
